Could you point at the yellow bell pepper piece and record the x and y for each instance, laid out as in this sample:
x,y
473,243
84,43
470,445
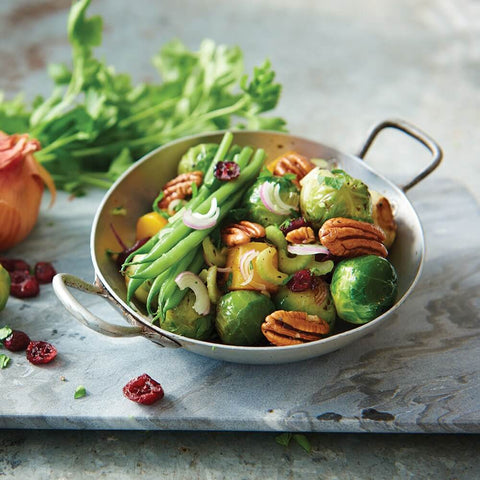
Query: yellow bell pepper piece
x,y
244,273
149,224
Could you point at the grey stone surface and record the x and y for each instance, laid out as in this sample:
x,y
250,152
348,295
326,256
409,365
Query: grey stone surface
x,y
344,65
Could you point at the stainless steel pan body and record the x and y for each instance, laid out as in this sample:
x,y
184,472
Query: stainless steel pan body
x,y
141,183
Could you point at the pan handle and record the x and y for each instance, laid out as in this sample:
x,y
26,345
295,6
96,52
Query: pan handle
x,y
61,282
417,134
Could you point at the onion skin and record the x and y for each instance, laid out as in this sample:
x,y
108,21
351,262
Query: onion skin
x,y
22,181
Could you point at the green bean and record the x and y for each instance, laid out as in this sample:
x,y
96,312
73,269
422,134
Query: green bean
x,y
177,295
176,253
241,158
154,291
179,230
145,248
219,156
169,285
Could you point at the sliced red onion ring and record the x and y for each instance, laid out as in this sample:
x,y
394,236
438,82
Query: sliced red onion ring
x,y
171,209
307,249
247,271
199,221
190,280
270,196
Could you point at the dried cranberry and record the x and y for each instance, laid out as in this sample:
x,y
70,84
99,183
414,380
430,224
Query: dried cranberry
x,y
23,285
143,389
44,272
16,341
293,225
227,170
39,352
301,281
12,264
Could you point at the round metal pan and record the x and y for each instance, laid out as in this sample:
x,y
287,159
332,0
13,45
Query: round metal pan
x,y
141,183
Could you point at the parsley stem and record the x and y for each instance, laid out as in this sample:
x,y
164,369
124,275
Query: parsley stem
x,y
159,138
147,112
95,181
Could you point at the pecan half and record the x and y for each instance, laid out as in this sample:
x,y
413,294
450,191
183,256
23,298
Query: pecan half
x,y
180,187
301,235
383,217
293,328
242,232
345,237
293,162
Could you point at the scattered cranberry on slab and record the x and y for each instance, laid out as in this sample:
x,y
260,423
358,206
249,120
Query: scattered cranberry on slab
x,y
16,341
23,285
39,352
44,272
14,264
143,389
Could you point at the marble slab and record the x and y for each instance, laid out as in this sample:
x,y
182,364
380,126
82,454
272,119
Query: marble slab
x,y
418,373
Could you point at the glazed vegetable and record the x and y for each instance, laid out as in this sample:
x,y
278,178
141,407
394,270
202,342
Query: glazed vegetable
x,y
197,158
212,273
183,239
316,300
22,181
97,122
327,194
363,288
240,315
244,272
185,320
149,225
265,201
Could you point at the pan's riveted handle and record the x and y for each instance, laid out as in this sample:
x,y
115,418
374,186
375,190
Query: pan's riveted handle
x,y
61,283
417,134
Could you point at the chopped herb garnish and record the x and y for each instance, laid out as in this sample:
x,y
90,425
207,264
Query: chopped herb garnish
x,y
4,360
284,439
5,332
122,211
80,392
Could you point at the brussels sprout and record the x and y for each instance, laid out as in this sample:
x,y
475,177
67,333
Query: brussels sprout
x,y
327,194
198,157
363,288
315,301
240,315
184,320
256,211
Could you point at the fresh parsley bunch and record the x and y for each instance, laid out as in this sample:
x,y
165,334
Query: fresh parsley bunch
x,y
96,123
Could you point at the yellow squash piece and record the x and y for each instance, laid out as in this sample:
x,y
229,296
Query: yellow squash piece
x,y
244,273
149,224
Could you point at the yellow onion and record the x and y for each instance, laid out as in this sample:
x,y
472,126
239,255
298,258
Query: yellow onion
x,y
22,181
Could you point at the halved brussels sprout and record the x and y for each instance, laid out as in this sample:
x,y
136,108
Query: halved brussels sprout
x,y
328,194
198,157
184,320
315,301
240,315
363,288
256,209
